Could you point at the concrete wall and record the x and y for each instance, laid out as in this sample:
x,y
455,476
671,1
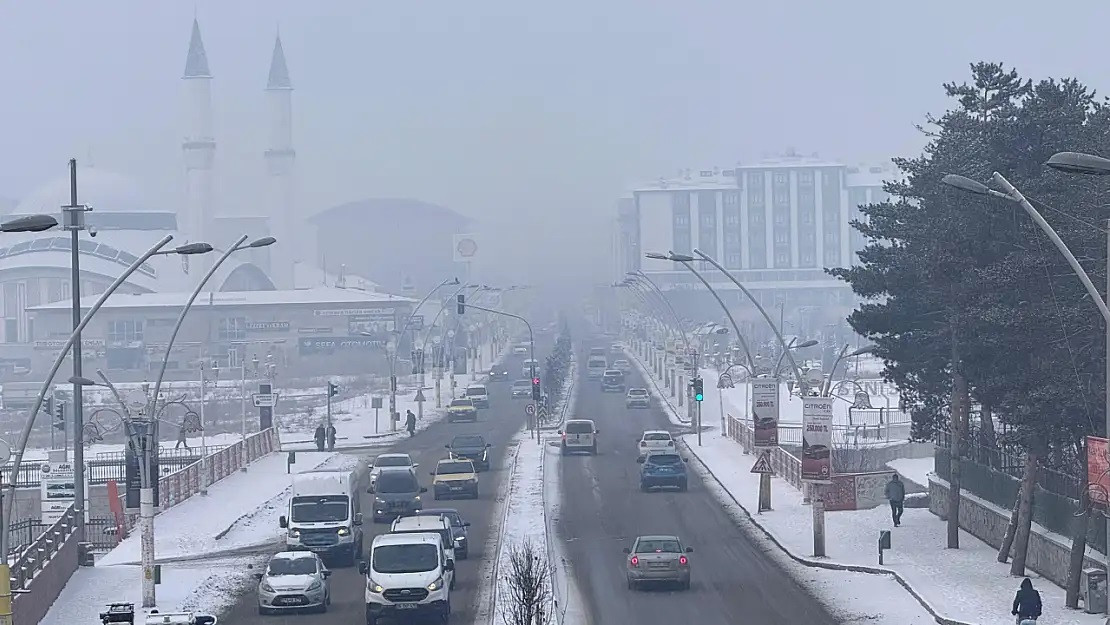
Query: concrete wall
x,y
28,608
1048,554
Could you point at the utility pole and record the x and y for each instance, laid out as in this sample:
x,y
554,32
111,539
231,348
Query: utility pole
x,y
74,221
203,444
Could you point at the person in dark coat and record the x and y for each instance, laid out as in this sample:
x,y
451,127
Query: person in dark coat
x,y
331,437
1027,603
320,436
896,495
410,422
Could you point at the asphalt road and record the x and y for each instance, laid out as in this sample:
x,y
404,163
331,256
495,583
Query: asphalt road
x,y
498,425
603,510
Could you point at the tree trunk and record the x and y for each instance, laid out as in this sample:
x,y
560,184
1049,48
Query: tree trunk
x,y
1079,535
1011,530
1025,510
988,439
956,426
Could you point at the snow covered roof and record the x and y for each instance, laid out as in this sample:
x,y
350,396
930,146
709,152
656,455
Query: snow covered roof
x,y
321,295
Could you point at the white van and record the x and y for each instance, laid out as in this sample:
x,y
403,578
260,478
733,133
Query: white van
x,y
527,366
478,394
407,575
323,514
595,367
579,435
425,524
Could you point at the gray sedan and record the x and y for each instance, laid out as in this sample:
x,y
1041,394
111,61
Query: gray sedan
x,y
658,559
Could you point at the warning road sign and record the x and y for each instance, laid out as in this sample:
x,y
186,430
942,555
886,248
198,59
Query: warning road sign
x,y
420,395
763,464
530,409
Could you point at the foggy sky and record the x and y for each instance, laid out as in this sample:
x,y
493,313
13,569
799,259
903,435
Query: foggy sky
x,y
531,118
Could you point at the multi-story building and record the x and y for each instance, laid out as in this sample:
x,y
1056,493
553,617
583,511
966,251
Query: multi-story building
x,y
776,225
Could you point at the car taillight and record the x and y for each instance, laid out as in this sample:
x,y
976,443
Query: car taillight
x,y
634,561
643,443
682,560
564,437
670,443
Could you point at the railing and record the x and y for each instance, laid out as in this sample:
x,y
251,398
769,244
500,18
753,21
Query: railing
x,y
98,471
100,532
783,462
33,557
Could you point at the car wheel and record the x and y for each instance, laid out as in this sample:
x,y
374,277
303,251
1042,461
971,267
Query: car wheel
x,y
436,496
370,620
323,609
682,486
686,585
593,450
644,487
464,554
262,611
475,492
452,586
631,584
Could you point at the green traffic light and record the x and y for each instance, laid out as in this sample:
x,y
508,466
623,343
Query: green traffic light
x,y
698,397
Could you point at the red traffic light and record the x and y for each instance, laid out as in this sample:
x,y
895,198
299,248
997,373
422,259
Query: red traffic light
x,y
535,380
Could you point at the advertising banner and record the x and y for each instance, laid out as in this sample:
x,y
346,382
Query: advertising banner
x,y
856,491
817,414
765,411
1098,470
380,325
331,344
57,491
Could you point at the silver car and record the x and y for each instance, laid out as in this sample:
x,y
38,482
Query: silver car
x,y
658,559
388,460
294,580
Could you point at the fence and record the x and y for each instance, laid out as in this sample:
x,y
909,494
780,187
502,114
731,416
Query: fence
x,y
783,462
105,467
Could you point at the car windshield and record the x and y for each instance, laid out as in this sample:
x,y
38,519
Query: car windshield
x,y
452,517
316,509
522,383
397,482
613,375
418,558
664,459
476,390
579,427
638,392
392,461
621,363
468,441
466,403
292,566
657,436
596,362
658,546
447,468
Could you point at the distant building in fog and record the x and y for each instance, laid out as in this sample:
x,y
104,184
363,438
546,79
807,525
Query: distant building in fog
x,y
776,225
402,245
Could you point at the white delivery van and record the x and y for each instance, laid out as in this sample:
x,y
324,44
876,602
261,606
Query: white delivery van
x,y
407,576
595,367
323,515
424,524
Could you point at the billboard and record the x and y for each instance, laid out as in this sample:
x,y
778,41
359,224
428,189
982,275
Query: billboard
x,y
765,411
817,414
1098,470
57,491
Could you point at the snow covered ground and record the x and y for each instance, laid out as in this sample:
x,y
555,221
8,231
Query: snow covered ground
x,y
227,528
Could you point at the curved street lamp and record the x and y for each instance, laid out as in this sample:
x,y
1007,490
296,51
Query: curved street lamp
x,y
844,355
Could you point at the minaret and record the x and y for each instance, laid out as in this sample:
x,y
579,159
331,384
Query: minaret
x,y
199,147
280,158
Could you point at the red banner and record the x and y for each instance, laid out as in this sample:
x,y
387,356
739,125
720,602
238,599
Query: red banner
x,y
116,507
1098,470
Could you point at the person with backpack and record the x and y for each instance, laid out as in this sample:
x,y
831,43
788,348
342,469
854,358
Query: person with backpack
x,y
1027,604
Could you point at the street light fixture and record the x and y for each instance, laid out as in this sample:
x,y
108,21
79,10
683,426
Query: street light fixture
x,y
1079,163
844,355
29,223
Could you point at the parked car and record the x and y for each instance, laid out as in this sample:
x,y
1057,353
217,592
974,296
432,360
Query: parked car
x,y
294,580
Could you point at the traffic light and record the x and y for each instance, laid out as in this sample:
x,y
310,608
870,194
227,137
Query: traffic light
x,y
48,405
333,389
698,394
60,415
536,389
462,303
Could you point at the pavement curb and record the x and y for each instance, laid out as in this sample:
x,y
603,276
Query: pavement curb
x,y
495,539
820,564
570,395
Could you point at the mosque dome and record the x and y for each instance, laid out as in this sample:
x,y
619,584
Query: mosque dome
x,y
103,190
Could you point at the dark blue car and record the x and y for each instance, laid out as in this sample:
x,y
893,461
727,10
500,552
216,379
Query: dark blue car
x,y
662,470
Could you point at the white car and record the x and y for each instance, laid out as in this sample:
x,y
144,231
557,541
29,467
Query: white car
x,y
622,365
294,580
637,398
478,394
389,460
656,440
521,350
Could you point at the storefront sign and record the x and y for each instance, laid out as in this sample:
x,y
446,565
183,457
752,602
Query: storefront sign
x,y
267,326
331,344
378,325
60,343
380,313
817,414
313,330
765,411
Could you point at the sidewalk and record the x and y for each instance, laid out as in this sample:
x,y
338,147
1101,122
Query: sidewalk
x,y
966,585
238,515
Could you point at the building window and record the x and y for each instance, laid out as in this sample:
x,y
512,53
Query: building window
x,y
782,238
781,178
125,331
805,177
782,259
782,197
732,199
732,238
806,217
781,218
732,219
681,220
733,261
233,329
11,330
708,220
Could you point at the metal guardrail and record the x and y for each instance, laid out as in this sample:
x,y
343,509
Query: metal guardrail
x,y
99,531
32,558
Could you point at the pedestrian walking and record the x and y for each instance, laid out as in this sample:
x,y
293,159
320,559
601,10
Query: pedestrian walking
x,y
182,438
320,437
896,495
1027,604
331,437
410,423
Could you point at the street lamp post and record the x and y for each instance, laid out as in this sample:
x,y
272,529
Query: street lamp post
x,y
26,433
844,355
393,417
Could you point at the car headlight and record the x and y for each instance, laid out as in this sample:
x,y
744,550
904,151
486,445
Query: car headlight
x,y
266,587
379,501
314,586
374,587
437,584
416,500
472,480
343,531
460,539
294,533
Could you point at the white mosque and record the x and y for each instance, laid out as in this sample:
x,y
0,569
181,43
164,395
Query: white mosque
x,y
35,268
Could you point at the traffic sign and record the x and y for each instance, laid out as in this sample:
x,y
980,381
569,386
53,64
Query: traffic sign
x,y
264,400
763,464
420,395
530,409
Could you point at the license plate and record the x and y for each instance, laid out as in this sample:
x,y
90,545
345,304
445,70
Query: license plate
x,y
289,601
456,488
406,606
659,565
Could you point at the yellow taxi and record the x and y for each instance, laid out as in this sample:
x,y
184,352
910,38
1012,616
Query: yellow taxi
x,y
455,477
